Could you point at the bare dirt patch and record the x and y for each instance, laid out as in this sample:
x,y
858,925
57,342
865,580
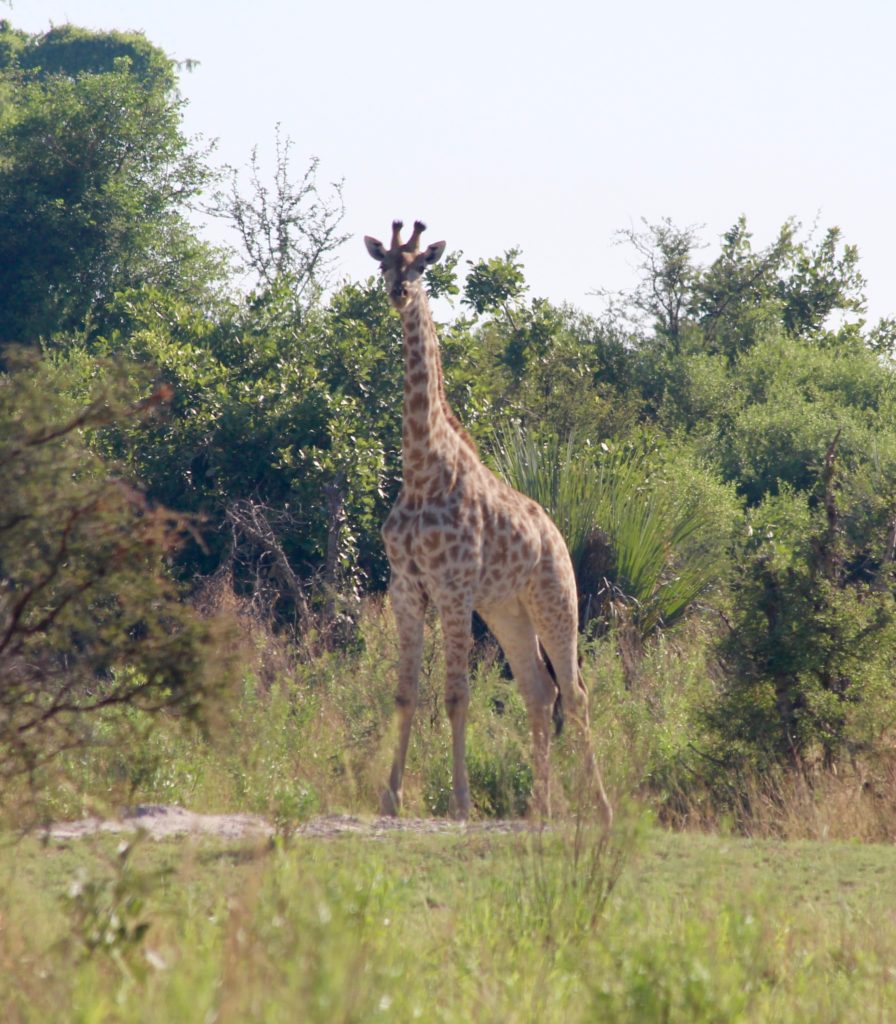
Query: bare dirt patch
x,y
161,821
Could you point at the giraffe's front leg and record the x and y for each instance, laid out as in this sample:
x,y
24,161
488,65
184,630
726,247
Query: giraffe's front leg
x,y
457,624
409,608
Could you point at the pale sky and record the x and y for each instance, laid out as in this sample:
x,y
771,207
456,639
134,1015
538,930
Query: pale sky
x,y
551,125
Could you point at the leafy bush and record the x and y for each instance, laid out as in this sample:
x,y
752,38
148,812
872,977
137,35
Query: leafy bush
x,y
810,653
88,616
793,398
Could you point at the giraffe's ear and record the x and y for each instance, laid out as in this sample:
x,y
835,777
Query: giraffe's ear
x,y
433,253
375,248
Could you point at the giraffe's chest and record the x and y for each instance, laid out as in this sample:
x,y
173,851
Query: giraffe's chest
x,y
430,537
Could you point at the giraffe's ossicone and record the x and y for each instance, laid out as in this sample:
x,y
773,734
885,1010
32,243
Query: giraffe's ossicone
x,y
462,539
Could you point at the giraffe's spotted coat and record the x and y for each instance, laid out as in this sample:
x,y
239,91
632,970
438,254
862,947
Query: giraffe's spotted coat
x,y
462,539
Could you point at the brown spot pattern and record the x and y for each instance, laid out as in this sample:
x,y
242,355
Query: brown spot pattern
x,y
465,539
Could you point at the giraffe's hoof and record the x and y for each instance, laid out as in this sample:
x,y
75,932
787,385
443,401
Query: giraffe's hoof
x,y
459,806
390,803
539,811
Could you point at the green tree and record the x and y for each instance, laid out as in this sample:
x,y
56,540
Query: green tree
x,y
94,179
664,298
288,230
810,650
71,51
551,367
821,281
494,284
737,298
301,419
790,397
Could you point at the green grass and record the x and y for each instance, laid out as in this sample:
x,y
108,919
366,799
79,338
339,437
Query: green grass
x,y
466,926
655,927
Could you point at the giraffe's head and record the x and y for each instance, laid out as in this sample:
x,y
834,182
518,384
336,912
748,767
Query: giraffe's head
x,y
402,266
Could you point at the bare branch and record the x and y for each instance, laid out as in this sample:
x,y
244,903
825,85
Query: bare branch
x,y
288,230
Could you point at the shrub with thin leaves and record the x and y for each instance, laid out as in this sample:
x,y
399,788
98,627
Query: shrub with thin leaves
x,y
666,529
551,472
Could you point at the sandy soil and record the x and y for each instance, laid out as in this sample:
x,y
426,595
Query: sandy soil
x,y
163,822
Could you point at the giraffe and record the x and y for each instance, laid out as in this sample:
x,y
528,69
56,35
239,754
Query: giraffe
x,y
462,539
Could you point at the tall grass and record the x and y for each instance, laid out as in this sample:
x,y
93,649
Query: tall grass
x,y
316,738
301,738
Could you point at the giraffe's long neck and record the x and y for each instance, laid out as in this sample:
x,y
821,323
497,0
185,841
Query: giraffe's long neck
x,y
430,433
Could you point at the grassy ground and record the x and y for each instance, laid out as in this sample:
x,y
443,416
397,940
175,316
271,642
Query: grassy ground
x,y
651,926
646,925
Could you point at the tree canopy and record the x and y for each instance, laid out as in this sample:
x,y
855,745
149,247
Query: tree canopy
x,y
95,183
735,407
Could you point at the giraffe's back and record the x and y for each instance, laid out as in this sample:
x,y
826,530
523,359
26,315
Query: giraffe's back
x,y
480,537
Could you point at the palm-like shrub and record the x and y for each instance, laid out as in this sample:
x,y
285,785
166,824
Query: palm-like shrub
x,y
551,472
646,536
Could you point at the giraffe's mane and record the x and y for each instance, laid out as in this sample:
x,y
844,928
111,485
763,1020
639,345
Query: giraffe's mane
x,y
453,421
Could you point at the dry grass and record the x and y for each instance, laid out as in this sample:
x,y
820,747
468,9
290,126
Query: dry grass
x,y
311,734
857,802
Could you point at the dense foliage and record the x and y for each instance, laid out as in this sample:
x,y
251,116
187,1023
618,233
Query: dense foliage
x,y
721,443
94,183
88,617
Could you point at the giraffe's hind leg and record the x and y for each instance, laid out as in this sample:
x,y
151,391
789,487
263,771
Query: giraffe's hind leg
x,y
556,623
513,629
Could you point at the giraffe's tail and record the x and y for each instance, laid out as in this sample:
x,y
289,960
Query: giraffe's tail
x,y
557,711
